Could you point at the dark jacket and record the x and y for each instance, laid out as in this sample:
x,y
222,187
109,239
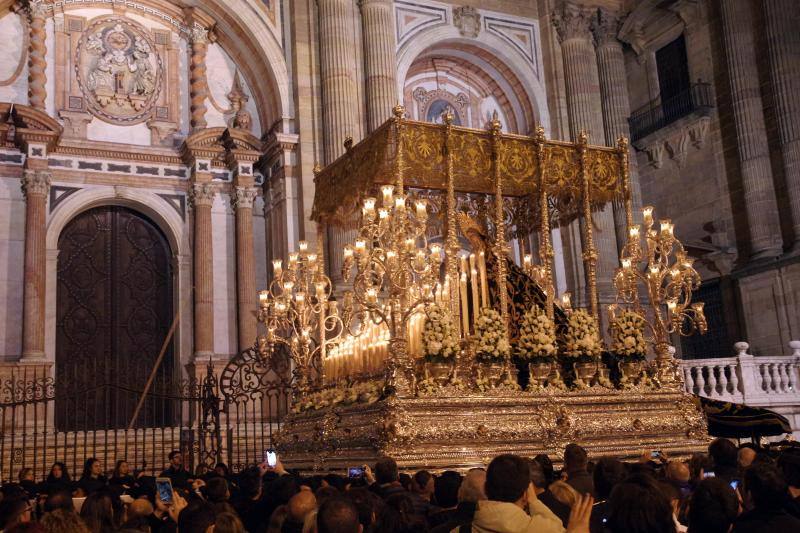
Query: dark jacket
x,y
447,520
179,477
581,481
559,509
766,521
90,485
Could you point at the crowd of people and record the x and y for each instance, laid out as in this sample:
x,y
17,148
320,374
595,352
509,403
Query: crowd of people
x,y
742,490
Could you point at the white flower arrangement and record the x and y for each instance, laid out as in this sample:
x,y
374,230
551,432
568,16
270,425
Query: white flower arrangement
x,y
583,335
439,339
493,345
537,336
627,333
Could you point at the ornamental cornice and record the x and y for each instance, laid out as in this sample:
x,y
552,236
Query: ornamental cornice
x,y
605,28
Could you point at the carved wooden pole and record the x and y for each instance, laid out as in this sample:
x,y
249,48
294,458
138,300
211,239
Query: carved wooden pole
x,y
589,252
198,84
37,62
546,246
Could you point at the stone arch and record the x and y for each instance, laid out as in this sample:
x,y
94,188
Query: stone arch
x,y
490,54
168,220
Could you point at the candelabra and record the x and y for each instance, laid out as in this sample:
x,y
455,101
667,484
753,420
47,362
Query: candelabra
x,y
663,267
300,316
395,274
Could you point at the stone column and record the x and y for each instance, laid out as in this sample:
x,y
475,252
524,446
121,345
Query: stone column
x,y
201,198
784,59
616,105
37,57
379,59
751,136
584,109
198,84
35,188
339,100
242,202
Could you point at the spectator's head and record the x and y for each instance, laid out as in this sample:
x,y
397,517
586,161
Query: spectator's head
x,y
338,515
764,486
335,481
197,517
221,469
637,506
386,471
745,457
445,489
422,483
405,480
789,463
250,485
58,472
607,473
13,511
216,490
368,504
564,493
698,465
59,500
723,454
228,523
98,512
63,521
473,487
175,459
92,468
575,458
676,472
277,519
507,479
300,505
672,493
121,468
713,507
323,493
547,467
25,474
537,475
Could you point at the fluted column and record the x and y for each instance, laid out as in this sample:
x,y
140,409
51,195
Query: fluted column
x,y
379,60
35,188
585,112
201,198
616,105
198,83
784,59
339,101
37,61
751,136
242,201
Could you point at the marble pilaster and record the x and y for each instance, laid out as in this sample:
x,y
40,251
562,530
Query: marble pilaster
x,y
201,198
784,58
751,137
242,200
35,188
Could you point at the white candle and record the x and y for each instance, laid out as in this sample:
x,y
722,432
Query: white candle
x,y
484,283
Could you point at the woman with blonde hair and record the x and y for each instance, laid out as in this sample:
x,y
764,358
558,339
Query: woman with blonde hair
x,y
564,493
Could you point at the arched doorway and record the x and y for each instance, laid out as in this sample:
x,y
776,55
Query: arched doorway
x,y
114,307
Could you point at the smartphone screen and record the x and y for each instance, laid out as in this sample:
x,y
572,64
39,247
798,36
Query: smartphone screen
x,y
164,489
655,455
707,475
271,458
355,472
735,484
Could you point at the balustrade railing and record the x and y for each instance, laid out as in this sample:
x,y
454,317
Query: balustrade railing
x,y
744,378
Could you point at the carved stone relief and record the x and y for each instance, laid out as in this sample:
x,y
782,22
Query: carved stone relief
x,y
118,70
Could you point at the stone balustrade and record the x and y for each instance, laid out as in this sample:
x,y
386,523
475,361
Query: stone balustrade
x,y
744,378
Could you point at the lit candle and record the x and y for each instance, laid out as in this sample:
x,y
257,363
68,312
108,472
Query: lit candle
x,y
303,245
626,263
372,295
654,271
410,243
633,231
436,252
666,227
387,191
320,286
400,203
369,204
383,213
566,301
348,252
462,289
288,286
527,261
473,270
263,298
277,267
361,246
312,259
672,306
293,258
647,215
422,212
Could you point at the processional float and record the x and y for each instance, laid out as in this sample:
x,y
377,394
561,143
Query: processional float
x,y
440,350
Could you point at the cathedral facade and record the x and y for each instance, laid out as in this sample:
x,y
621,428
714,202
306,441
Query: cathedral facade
x,y
158,155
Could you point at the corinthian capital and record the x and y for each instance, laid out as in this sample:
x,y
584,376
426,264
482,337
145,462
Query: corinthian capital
x,y
243,197
35,183
37,9
572,21
202,194
199,35
605,27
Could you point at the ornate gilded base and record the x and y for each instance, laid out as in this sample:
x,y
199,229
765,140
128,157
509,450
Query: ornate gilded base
x,y
462,430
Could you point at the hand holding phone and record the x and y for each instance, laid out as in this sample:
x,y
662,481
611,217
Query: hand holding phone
x,y
355,472
164,490
271,458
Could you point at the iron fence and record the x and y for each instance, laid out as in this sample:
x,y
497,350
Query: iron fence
x,y
658,114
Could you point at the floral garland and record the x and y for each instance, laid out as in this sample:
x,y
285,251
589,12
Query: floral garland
x,y
439,340
493,345
537,338
627,332
363,392
583,336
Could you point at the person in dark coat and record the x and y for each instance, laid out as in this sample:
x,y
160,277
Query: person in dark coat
x,y
765,493
57,481
92,479
176,472
576,463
